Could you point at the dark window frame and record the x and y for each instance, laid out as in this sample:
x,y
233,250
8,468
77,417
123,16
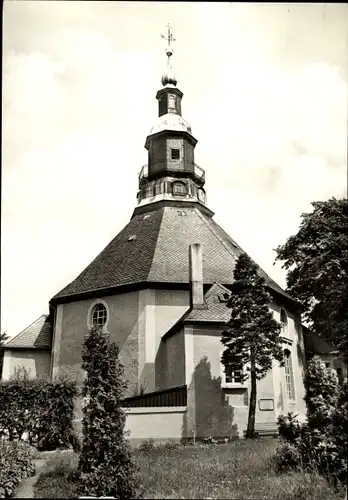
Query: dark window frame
x,y
99,315
176,155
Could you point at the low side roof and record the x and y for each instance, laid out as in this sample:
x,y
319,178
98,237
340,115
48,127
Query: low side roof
x,y
38,335
216,310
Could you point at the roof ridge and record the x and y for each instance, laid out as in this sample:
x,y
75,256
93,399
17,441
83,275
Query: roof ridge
x,y
268,278
220,286
26,328
216,285
161,210
216,235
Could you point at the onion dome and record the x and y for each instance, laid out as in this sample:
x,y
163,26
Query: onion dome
x,y
169,77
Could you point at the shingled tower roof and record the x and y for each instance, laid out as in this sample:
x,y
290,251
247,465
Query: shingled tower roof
x,y
171,215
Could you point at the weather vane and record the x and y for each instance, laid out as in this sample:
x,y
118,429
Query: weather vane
x,y
169,36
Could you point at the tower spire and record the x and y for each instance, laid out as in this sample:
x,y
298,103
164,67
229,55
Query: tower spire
x,y
168,77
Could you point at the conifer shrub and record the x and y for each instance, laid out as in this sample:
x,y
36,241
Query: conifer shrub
x,y
16,463
322,388
38,408
106,466
321,442
252,337
340,419
289,427
288,456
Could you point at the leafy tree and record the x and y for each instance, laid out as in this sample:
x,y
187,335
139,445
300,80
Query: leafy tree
x,y
321,385
339,422
321,441
316,260
105,466
252,336
3,339
41,407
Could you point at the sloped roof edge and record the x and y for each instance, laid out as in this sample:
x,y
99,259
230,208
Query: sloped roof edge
x,y
38,335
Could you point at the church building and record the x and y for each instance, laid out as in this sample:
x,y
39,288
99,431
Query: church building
x,y
160,288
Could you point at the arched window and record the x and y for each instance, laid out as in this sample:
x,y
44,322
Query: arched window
x,y
179,188
99,315
283,318
289,375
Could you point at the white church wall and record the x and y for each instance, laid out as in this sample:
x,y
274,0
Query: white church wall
x,y
212,398
170,306
293,341
159,310
175,360
161,424
122,324
36,362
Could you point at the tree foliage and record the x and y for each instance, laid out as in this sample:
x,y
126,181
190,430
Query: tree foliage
x,y
316,261
39,407
339,422
252,336
320,442
321,386
106,467
16,463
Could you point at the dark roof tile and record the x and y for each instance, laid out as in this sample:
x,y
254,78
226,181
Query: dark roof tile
x,y
38,335
159,253
124,260
216,310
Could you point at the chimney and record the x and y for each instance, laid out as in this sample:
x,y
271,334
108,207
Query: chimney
x,y
196,276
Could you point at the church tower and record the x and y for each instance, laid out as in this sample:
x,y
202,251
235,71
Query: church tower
x,y
171,173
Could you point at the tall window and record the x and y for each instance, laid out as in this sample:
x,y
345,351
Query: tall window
x,y
289,375
99,315
171,101
283,319
233,374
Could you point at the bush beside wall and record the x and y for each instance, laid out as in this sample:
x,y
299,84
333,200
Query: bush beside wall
x,y
321,442
40,410
16,463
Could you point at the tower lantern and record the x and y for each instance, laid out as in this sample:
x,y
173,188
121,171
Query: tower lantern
x,y
171,172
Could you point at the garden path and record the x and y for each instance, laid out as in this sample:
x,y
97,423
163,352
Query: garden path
x,y
26,488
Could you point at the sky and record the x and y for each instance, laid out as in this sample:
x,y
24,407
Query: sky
x,y
265,91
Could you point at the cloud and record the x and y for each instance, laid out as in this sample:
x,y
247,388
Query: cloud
x,y
265,91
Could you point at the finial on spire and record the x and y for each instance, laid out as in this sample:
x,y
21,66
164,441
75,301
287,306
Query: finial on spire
x,y
169,37
169,77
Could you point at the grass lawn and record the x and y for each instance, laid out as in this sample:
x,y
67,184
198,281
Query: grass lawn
x,y
239,470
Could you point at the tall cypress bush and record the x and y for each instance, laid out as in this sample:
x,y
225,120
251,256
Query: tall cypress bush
x,y
252,336
105,467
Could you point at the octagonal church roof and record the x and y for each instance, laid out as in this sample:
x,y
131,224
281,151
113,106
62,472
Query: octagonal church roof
x,y
153,248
